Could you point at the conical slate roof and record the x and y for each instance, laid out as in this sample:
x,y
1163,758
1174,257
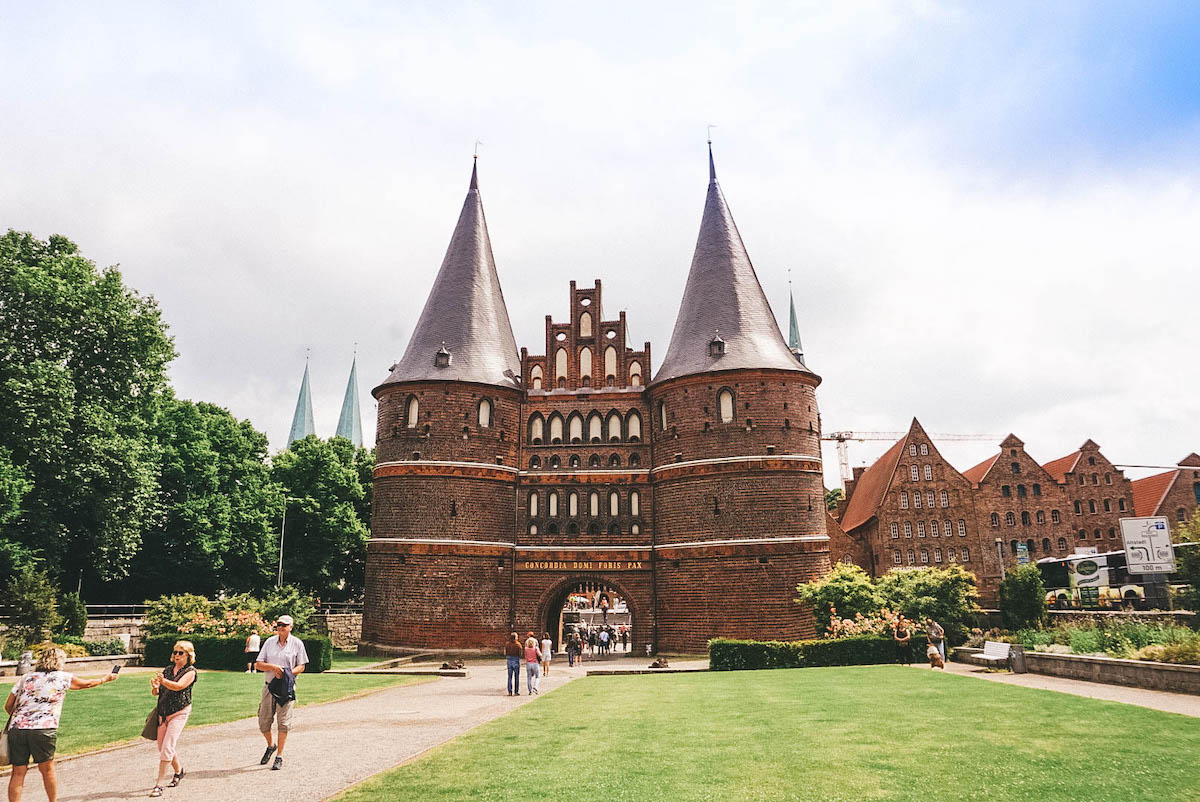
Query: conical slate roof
x,y
464,317
723,302
350,421
302,418
794,331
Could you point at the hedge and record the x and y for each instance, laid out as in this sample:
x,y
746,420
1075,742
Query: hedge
x,y
736,655
229,654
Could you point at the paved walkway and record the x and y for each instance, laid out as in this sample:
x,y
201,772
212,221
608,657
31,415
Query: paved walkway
x,y
332,745
1183,703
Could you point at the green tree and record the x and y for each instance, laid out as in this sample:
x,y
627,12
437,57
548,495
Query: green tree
x,y
82,367
327,523
947,595
220,509
832,497
1188,561
32,601
1023,598
72,615
847,588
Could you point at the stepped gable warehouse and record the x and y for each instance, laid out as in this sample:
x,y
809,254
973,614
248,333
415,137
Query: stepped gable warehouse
x,y
507,480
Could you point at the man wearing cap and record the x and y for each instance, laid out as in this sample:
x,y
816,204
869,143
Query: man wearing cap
x,y
281,658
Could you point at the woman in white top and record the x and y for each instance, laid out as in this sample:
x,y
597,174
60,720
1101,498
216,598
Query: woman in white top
x,y
547,646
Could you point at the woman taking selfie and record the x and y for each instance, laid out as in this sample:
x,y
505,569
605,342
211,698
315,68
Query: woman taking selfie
x,y
173,687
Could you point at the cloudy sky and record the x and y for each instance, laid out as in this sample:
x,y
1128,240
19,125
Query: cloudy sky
x,y
990,212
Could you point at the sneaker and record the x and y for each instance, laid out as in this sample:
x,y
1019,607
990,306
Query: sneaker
x,y
278,764
267,756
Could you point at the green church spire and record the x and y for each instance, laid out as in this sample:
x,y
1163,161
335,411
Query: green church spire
x,y
302,419
350,421
794,329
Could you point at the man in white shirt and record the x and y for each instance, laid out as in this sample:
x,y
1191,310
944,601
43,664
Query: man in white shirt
x,y
280,652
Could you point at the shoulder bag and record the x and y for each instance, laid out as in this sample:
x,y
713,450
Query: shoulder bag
x,y
4,759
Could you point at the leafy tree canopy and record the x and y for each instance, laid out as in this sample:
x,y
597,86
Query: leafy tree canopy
x,y
1023,597
832,497
847,588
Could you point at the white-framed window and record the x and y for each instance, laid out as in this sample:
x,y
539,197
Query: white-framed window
x,y
917,499
1010,519
914,472
937,555
920,529
912,449
928,473
662,415
948,529
896,558
413,412
907,529
485,414
945,498
725,405
904,499
924,556
1055,517
962,528
924,449
910,557
895,529
949,555
933,528
929,499
966,554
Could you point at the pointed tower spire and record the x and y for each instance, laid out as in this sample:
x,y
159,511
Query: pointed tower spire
x,y
350,421
302,419
464,333
794,328
723,293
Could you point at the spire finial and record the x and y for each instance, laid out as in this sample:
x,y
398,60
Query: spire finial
x,y
712,169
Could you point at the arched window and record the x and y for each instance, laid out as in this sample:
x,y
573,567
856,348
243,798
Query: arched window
x,y
1025,519
572,528
895,529
1091,505
535,377
535,462
1012,545
555,462
635,374
662,424
924,449
610,365
945,498
929,499
485,414
928,473
933,528
962,528
614,529
614,461
1062,544
924,556
914,472
995,519
907,529
552,504
1041,516
614,426
560,364
412,413
594,461
948,529
633,426
635,529
1181,515
1046,545
533,530
1107,505
1082,534
1095,479
595,426
725,405
556,428
904,499
1196,491
594,504
920,529
573,505
917,499
1121,504
1030,546
912,449
1078,508
1055,517
910,557
635,460
635,503
1010,519
966,554
896,558
593,529
614,504
1098,534
585,324
1006,491
950,555
574,461
533,504
937,555
585,363
537,431
1021,491
575,428
1037,489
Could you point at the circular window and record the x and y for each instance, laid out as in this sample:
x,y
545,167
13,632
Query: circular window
x,y
610,334
585,301
560,336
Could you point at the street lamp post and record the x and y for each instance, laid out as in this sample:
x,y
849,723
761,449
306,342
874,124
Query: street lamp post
x,y
282,529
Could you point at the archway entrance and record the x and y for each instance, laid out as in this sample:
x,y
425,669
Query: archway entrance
x,y
590,607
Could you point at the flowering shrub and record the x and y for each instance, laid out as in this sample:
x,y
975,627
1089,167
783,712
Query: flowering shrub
x,y
881,623
239,623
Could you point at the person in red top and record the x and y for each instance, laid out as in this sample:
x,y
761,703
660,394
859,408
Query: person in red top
x,y
533,656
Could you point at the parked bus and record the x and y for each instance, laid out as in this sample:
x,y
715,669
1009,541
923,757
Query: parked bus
x,y
1091,581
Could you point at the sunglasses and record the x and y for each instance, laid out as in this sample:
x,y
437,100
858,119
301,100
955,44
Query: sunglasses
x,y
177,652
277,626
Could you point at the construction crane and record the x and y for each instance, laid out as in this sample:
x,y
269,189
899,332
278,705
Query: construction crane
x,y
843,438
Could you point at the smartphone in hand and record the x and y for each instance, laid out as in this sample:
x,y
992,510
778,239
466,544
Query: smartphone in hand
x,y
116,669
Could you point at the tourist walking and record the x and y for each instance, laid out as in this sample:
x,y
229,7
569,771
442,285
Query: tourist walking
x,y
624,637
253,644
35,704
547,652
604,641
512,656
283,657
937,636
902,635
592,641
532,672
173,687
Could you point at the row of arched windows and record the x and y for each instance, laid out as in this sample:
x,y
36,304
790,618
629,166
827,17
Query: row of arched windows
x,y
912,449
1031,545
1107,504
1112,533
1096,478
573,504
633,373
574,428
1010,518
593,528
947,528
484,412
595,461
1022,492
943,498
963,554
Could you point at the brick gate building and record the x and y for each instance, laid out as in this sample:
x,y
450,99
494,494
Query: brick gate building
x,y
504,480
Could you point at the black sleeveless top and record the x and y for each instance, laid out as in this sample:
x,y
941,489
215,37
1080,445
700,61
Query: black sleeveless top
x,y
170,702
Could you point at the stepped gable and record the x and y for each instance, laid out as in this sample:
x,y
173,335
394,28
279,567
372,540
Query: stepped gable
x,y
725,321
871,487
1148,493
464,333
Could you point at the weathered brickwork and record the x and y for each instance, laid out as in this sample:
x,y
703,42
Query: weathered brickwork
x,y
1099,494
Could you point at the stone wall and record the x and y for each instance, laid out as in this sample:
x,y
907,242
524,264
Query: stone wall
x,y
344,629
1137,673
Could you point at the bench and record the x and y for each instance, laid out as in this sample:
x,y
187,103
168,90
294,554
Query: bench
x,y
995,652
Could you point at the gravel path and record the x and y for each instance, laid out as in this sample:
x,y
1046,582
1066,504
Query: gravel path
x,y
331,746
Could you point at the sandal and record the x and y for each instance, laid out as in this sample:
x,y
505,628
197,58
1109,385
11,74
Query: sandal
x,y
175,779
158,791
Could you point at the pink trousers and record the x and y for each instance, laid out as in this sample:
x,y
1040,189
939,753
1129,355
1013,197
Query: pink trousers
x,y
169,732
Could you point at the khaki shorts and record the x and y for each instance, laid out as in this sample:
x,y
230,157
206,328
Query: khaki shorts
x,y
269,709
24,744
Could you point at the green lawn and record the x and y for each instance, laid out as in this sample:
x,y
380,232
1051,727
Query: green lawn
x,y
874,732
116,712
352,660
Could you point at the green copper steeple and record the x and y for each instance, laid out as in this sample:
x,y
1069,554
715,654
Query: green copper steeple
x,y
302,419
794,329
350,421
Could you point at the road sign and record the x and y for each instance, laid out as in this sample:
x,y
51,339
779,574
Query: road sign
x,y
1148,548
1022,554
